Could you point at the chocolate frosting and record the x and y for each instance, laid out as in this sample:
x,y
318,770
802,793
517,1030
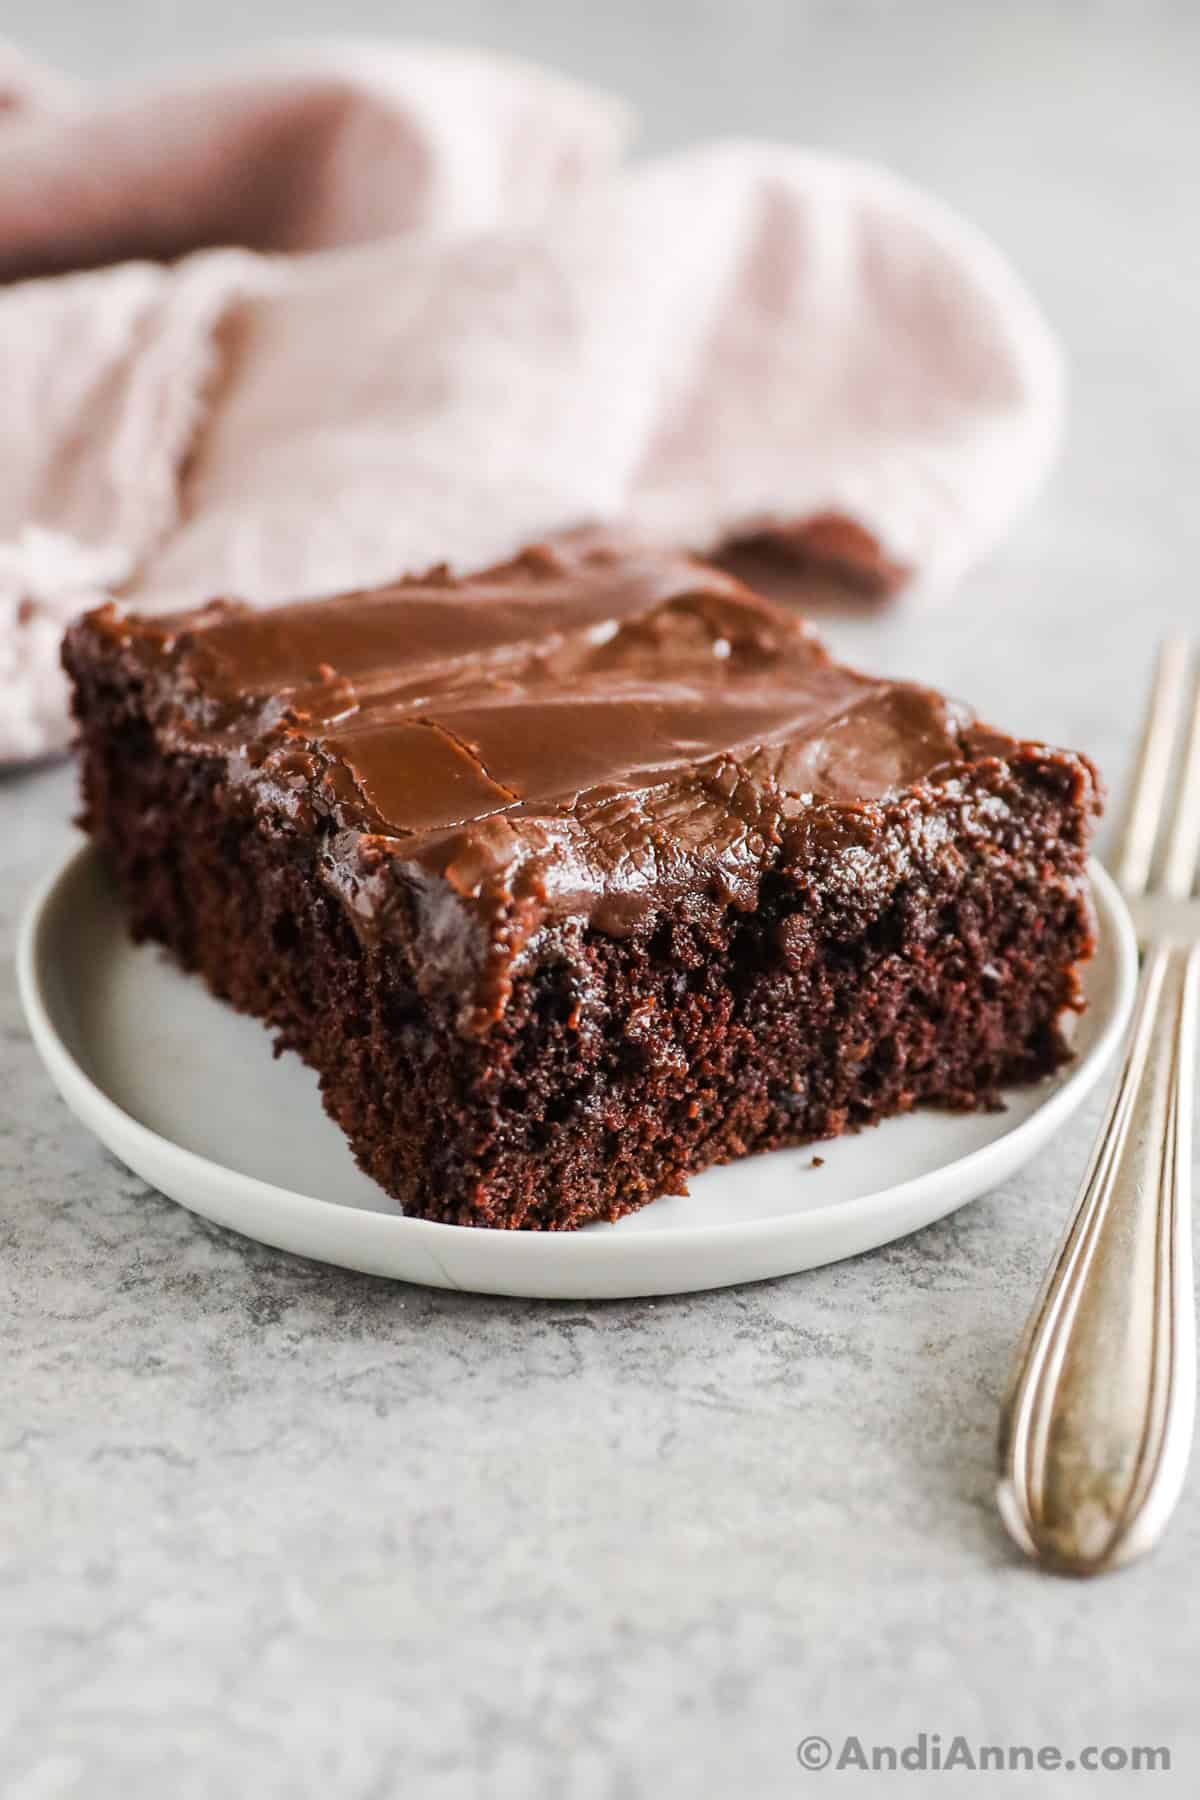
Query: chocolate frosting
x,y
585,732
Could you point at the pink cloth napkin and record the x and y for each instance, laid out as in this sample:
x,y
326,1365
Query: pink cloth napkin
x,y
410,306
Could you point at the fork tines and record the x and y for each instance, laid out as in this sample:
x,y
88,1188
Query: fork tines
x,y
1136,867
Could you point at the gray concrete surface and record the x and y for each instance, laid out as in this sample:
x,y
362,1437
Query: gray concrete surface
x,y
273,1531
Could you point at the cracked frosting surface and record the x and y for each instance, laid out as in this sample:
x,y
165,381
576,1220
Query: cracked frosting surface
x,y
582,737
582,729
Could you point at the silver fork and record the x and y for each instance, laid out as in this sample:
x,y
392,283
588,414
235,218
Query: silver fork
x,y
1097,1424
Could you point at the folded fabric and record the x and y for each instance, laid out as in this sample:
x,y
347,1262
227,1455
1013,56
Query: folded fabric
x,y
454,325
305,149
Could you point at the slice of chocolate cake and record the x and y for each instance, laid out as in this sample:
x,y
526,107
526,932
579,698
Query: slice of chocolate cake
x,y
576,877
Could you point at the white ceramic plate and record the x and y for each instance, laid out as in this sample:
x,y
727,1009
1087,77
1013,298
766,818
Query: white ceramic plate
x,y
189,1094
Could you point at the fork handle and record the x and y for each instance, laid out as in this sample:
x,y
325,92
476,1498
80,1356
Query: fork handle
x,y
1097,1425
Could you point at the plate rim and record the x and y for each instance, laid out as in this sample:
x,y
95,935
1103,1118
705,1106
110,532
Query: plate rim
x,y
72,1080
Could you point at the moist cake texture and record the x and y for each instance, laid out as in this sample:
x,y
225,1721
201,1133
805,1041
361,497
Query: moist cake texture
x,y
576,877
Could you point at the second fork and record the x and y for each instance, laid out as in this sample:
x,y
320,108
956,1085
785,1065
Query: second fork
x,y
1097,1426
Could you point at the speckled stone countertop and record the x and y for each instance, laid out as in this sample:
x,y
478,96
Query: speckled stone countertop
x,y
272,1531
